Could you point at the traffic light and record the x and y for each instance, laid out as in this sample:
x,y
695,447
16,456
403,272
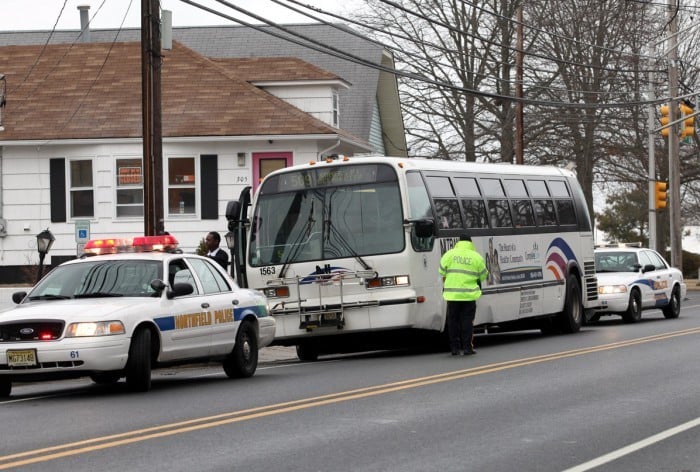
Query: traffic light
x,y
661,194
665,119
688,123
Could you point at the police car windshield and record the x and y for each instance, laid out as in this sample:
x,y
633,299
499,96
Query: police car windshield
x,y
95,278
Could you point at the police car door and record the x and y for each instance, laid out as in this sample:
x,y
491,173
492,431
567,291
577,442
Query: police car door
x,y
662,278
222,301
188,333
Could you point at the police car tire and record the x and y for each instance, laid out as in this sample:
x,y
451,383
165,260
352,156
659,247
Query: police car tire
x,y
673,309
634,309
572,315
5,386
243,361
138,367
106,378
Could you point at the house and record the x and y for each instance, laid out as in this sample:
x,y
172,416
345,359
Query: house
x,y
71,147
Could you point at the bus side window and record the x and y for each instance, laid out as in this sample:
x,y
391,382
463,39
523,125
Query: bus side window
x,y
565,210
523,213
500,214
544,213
475,214
419,209
448,213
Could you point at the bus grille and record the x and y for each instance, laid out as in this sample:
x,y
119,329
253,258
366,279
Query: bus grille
x,y
591,280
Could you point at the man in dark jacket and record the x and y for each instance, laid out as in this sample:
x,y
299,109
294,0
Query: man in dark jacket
x,y
212,241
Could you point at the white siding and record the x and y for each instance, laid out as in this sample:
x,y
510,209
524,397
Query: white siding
x,y
26,198
316,100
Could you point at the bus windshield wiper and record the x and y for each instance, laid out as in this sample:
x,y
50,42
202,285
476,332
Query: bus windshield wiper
x,y
344,243
296,246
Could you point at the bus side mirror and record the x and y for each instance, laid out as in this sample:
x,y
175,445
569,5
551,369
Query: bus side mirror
x,y
424,228
233,210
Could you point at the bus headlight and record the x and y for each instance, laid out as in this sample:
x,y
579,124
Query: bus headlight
x,y
276,292
101,328
387,281
610,289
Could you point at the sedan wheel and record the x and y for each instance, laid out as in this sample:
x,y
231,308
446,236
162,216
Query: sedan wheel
x,y
673,309
634,309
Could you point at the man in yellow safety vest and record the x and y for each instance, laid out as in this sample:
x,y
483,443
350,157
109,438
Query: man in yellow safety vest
x,y
462,270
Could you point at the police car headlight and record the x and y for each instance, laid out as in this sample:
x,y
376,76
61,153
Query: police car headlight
x,y
610,289
102,328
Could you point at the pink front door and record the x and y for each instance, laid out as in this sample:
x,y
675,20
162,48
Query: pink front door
x,y
266,162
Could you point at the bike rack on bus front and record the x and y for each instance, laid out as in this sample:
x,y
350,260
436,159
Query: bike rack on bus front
x,y
323,314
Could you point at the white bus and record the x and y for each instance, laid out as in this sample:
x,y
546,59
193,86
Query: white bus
x,y
347,250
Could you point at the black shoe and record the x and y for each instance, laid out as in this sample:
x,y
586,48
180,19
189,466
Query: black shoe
x,y
455,352
469,352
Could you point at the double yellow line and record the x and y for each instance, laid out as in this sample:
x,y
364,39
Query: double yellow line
x,y
104,442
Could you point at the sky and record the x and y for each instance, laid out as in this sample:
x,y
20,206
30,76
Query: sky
x,y
21,15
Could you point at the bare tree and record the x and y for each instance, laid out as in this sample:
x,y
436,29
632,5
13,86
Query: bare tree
x,y
459,44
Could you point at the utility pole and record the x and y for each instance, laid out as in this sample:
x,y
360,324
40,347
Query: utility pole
x,y
519,59
151,118
652,163
674,181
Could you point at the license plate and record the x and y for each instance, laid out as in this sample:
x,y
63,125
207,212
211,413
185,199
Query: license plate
x,y
329,316
23,358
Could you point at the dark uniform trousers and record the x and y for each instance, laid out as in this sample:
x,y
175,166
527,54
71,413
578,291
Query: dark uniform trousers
x,y
460,324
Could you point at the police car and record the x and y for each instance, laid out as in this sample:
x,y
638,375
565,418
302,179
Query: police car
x,y
632,279
136,304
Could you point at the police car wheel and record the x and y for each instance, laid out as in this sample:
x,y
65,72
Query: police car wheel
x,y
106,378
138,367
634,309
673,309
243,361
5,386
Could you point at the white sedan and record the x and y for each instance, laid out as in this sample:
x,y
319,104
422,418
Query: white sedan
x,y
632,279
120,315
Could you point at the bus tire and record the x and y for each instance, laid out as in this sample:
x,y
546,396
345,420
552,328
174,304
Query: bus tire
x,y
673,309
243,360
569,320
5,386
307,352
138,367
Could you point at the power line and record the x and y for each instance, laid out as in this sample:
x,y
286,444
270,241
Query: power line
x,y
399,52
319,47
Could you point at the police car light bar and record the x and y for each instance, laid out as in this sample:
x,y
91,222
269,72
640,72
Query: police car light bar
x,y
162,243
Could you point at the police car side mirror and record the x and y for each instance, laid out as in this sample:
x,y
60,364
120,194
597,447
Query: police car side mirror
x,y
179,290
158,285
17,297
649,268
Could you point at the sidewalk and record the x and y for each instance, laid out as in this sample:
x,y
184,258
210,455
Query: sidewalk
x,y
275,354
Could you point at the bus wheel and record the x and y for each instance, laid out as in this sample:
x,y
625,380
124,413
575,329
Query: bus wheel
x,y
570,318
307,352
5,386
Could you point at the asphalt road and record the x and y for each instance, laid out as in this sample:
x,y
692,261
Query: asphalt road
x,y
613,397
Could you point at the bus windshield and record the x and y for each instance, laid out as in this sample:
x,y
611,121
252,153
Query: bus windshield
x,y
316,216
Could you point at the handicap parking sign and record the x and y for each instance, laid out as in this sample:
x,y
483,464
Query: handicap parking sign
x,y
82,231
